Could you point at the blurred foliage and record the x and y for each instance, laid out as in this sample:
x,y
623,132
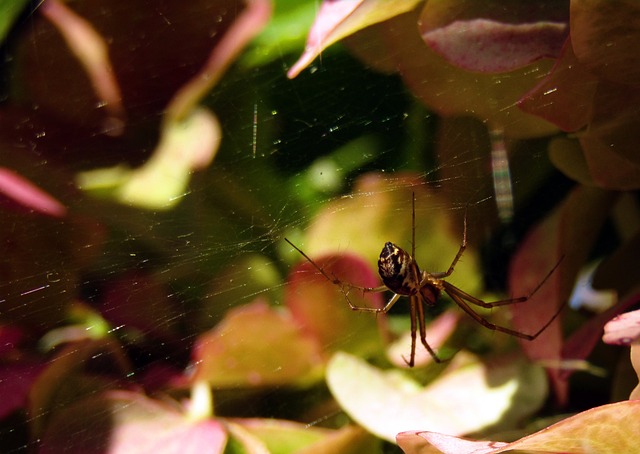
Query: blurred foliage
x,y
154,156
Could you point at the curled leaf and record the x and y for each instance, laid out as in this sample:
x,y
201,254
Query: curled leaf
x,y
624,329
607,429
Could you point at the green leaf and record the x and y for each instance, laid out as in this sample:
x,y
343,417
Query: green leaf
x,y
283,437
162,181
9,11
255,345
461,401
337,20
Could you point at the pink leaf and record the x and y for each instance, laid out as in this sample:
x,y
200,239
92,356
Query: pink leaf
x,y
29,195
414,442
129,423
491,46
623,329
322,310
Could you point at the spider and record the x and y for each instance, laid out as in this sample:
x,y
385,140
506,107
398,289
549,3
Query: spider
x,y
401,275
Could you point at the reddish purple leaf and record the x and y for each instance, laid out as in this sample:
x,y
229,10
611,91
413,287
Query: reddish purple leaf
x,y
322,310
136,301
565,96
580,216
16,379
490,46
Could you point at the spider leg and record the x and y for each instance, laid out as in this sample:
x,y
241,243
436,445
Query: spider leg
x,y
333,279
413,316
478,302
463,246
423,330
417,318
460,301
484,322
450,288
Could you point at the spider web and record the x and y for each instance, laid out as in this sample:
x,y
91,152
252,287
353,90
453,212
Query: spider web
x,y
290,150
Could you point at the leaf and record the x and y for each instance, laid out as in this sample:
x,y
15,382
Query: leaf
x,y
438,331
9,11
287,437
607,429
255,345
161,182
16,380
450,90
284,34
572,98
581,342
567,156
623,329
581,216
29,195
609,168
565,96
129,423
252,17
77,76
605,38
379,210
136,302
91,50
42,258
322,310
635,362
488,46
64,380
460,401
418,442
337,19
612,116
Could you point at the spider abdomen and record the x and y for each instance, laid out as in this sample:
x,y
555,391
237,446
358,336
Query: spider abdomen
x,y
398,270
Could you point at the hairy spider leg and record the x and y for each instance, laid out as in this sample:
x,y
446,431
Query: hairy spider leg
x,y
334,280
417,312
461,298
463,247
521,299
430,280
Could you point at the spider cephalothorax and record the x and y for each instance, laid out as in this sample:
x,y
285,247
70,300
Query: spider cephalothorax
x,y
398,270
